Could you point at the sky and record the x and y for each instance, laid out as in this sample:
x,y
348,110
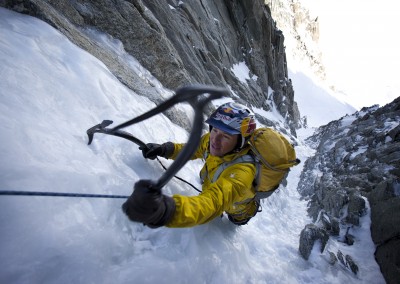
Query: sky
x,y
51,92
360,45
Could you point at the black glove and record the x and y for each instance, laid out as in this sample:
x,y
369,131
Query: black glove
x,y
152,150
148,205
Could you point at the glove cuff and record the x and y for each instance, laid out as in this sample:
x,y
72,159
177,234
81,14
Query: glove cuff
x,y
168,150
169,212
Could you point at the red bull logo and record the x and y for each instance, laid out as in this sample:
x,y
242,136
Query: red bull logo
x,y
228,110
247,127
225,114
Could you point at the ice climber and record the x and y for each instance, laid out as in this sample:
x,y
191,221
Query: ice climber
x,y
230,127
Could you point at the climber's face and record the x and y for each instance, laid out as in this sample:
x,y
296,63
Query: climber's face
x,y
221,142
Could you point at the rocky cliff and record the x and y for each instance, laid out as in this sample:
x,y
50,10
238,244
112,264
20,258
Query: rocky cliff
x,y
357,160
182,43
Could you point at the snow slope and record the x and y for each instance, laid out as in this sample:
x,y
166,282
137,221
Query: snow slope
x,y
51,92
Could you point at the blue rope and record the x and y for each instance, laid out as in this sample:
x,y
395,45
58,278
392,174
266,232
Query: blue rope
x,y
59,194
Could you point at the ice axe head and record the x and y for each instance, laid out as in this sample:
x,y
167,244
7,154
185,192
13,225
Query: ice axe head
x,y
97,128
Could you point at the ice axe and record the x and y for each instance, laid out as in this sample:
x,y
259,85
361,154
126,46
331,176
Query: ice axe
x,y
190,94
101,128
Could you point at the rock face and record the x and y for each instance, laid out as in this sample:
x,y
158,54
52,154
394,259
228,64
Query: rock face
x,y
358,157
308,236
182,43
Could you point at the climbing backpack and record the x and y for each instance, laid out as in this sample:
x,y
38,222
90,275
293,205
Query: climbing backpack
x,y
273,157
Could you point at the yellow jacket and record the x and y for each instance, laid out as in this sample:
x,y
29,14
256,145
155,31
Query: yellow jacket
x,y
232,192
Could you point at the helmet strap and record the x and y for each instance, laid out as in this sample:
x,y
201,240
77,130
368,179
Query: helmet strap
x,y
240,143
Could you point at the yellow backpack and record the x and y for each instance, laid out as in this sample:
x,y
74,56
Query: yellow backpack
x,y
273,156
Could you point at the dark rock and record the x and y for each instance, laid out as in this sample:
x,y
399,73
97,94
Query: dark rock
x,y
383,191
388,257
355,209
355,160
349,238
340,256
351,264
385,219
308,236
332,258
331,224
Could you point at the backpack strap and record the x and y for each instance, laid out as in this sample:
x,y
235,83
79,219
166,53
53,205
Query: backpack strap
x,y
253,159
242,159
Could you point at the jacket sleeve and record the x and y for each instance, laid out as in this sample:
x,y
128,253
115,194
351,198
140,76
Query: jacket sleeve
x,y
233,186
199,152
